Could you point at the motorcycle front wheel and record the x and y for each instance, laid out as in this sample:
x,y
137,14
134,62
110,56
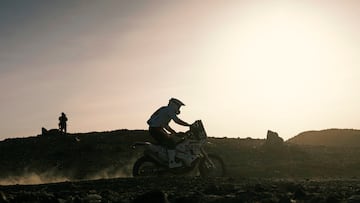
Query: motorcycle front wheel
x,y
145,166
213,166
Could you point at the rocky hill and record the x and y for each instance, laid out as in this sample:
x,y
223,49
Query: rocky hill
x,y
94,155
330,137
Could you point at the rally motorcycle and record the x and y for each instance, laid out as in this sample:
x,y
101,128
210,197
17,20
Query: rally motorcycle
x,y
189,152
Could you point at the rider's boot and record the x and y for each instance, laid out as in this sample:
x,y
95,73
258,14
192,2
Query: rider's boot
x,y
172,162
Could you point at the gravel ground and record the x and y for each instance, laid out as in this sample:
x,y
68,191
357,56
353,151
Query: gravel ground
x,y
185,189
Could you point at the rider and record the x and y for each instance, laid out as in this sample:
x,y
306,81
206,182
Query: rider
x,y
62,122
159,122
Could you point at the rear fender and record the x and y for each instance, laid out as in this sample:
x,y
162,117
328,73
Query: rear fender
x,y
143,144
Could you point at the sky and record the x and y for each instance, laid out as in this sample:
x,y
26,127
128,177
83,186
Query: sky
x,y
242,67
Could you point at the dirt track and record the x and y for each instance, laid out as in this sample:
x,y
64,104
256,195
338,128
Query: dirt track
x,y
186,189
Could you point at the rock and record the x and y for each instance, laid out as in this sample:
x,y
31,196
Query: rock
x,y
152,196
284,199
213,198
300,193
259,188
213,189
93,198
51,132
110,196
354,199
316,199
333,198
272,138
189,199
244,196
75,199
3,198
60,200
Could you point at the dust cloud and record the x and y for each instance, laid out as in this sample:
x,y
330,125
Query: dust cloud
x,y
32,178
55,176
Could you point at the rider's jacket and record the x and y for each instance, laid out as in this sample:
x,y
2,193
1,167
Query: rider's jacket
x,y
162,116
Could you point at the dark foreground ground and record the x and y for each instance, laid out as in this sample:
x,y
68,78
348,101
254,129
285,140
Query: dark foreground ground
x,y
185,189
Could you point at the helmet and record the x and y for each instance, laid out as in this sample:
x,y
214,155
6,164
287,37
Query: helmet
x,y
176,101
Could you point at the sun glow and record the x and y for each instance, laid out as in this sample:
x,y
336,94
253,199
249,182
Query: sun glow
x,y
272,61
243,67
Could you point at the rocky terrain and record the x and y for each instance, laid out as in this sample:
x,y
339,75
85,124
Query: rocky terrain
x,y
96,167
83,156
186,189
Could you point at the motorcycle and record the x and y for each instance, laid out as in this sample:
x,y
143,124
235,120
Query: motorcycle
x,y
189,152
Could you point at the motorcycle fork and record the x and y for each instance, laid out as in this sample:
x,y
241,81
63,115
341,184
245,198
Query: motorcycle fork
x,y
208,161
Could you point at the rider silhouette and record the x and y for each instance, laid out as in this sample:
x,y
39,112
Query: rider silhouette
x,y
159,122
62,122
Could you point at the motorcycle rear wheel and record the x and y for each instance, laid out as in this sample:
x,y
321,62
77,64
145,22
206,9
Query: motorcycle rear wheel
x,y
206,169
145,167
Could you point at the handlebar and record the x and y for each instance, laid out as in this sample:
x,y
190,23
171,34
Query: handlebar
x,y
196,127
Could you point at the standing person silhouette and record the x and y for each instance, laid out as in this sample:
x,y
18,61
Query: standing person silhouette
x,y
62,122
159,122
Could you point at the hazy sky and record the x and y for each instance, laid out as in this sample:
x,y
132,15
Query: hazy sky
x,y
243,67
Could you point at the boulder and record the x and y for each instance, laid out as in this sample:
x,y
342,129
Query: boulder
x,y
272,138
51,132
152,196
